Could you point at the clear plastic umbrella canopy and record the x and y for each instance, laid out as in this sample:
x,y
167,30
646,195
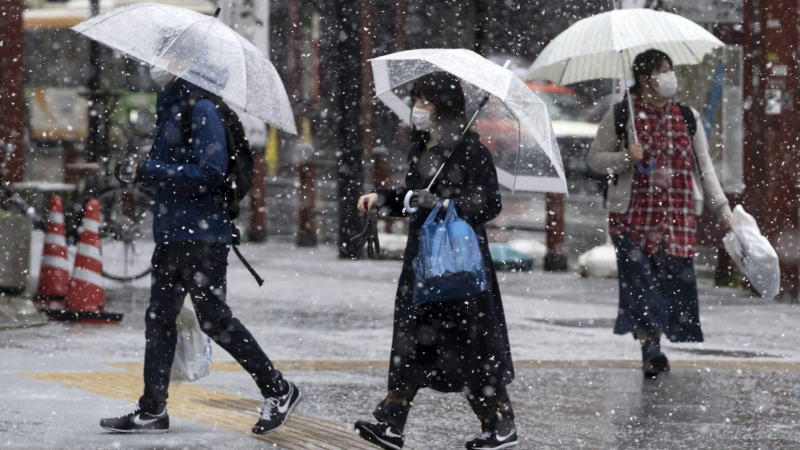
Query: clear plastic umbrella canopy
x,y
514,124
604,45
200,49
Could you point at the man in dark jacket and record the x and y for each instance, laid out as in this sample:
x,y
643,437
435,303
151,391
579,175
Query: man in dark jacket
x,y
193,234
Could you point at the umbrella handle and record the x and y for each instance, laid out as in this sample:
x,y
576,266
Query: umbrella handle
x,y
623,59
647,170
407,203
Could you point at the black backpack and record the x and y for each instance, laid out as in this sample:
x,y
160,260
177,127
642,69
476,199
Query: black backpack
x,y
239,175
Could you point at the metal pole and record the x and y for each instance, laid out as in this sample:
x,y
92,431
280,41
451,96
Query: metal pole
x,y
367,110
95,143
12,93
346,62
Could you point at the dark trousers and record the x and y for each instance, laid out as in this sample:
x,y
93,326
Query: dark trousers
x,y
198,269
491,410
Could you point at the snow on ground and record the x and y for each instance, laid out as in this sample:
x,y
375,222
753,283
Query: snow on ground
x,y
315,306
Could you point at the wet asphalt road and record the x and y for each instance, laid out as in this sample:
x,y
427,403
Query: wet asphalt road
x,y
577,385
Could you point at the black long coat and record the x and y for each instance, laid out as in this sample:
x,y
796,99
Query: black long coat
x,y
460,344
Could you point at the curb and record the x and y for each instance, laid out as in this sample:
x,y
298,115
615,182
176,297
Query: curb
x,y
19,312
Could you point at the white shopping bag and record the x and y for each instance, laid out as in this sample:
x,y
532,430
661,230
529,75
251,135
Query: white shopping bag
x,y
193,349
753,253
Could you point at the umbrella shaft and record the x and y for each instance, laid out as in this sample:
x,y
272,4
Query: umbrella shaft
x,y
466,128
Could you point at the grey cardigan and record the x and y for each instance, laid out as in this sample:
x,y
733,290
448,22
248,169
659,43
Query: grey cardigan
x,y
608,156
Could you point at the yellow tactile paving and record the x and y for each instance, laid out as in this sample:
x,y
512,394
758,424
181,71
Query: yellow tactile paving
x,y
215,408
305,432
349,365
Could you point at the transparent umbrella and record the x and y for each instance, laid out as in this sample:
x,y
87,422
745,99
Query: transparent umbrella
x,y
200,49
522,140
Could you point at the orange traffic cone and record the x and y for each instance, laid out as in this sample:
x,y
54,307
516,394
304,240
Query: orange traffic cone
x,y
86,298
54,273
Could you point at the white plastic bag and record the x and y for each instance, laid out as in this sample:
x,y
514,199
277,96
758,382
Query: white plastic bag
x,y
753,253
193,348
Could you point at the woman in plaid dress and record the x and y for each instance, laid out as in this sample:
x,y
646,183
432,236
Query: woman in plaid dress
x,y
655,193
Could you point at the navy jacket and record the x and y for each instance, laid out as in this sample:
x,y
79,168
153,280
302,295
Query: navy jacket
x,y
187,178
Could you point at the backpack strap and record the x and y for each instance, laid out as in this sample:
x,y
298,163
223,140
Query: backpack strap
x,y
621,129
691,128
621,121
689,118
186,131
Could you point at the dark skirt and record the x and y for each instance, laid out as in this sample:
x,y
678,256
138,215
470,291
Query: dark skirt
x,y
657,293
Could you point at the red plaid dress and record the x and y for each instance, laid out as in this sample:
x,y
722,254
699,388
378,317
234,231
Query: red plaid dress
x,y
661,212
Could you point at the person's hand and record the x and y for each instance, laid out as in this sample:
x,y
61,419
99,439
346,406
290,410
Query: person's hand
x,y
367,202
126,171
726,224
635,152
423,199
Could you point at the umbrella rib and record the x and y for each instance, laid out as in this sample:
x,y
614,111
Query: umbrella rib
x,y
692,51
564,72
244,61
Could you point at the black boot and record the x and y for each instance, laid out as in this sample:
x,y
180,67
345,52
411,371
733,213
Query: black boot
x,y
653,360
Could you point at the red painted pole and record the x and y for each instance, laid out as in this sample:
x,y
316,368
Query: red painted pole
x,y
307,233
12,93
771,128
257,232
555,260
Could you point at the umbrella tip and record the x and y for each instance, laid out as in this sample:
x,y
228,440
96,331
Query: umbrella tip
x,y
216,13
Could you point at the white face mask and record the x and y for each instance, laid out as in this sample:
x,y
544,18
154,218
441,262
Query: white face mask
x,y
160,76
667,84
421,118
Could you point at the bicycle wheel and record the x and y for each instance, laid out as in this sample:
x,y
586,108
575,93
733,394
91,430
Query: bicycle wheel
x,y
127,233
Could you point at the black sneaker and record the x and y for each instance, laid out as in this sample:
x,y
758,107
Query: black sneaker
x,y
381,434
493,440
655,365
138,422
276,410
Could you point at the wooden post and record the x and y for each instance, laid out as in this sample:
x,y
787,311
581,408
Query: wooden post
x,y
12,93
555,260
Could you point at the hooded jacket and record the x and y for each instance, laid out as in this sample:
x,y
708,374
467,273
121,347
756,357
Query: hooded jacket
x,y
186,177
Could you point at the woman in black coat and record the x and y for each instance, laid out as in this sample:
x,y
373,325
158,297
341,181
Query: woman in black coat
x,y
459,345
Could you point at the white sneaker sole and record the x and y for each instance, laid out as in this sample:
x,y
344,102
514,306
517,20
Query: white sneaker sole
x,y
377,438
506,445
114,430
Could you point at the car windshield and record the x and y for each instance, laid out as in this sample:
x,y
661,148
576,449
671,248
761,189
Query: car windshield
x,y
563,107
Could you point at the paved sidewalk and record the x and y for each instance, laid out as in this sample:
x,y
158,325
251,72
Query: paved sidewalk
x,y
327,323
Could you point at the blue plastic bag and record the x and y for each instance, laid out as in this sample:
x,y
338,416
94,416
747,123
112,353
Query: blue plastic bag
x,y
449,264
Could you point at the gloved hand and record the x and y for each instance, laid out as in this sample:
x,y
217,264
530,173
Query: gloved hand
x,y
423,199
126,171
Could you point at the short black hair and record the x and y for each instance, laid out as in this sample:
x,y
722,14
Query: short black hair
x,y
645,64
443,90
